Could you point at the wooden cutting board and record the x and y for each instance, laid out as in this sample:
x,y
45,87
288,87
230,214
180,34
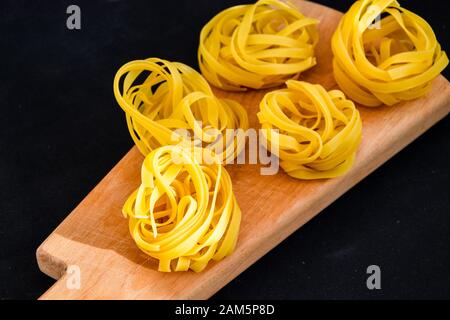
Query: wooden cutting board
x,y
95,239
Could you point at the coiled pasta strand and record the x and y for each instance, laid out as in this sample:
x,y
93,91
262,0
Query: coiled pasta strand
x,y
257,46
184,214
315,133
390,61
170,103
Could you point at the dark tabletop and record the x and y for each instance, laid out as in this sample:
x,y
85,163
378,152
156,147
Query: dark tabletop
x,y
61,131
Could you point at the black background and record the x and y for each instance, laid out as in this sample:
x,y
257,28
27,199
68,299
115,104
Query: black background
x,y
61,131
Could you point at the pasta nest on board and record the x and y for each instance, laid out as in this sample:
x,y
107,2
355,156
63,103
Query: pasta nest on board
x,y
314,132
184,214
385,61
257,46
168,103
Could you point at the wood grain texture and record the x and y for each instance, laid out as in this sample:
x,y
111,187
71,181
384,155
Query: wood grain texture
x,y
95,235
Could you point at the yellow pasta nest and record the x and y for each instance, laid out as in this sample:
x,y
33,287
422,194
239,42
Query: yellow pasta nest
x,y
385,61
315,133
257,46
184,214
171,103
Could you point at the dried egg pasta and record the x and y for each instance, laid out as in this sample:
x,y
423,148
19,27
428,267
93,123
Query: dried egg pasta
x,y
184,214
257,46
392,60
316,133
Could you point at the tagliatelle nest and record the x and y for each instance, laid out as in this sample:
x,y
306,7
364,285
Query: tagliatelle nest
x,y
169,103
184,213
389,61
257,46
315,133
